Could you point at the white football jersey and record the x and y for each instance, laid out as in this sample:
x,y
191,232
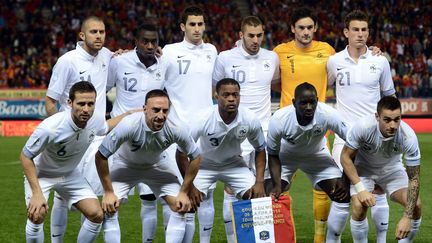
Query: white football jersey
x,y
379,154
254,73
359,86
140,147
286,135
133,81
189,78
219,143
60,144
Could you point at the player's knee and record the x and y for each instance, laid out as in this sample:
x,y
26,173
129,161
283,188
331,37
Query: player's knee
x,y
358,210
96,216
148,197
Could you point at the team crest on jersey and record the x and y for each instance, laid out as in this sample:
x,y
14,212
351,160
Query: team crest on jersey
x,y
264,235
242,131
318,130
208,58
266,65
320,55
373,68
158,75
91,136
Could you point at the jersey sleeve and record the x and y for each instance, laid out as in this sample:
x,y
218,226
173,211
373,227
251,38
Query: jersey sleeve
x,y
276,74
386,81
411,147
60,75
186,143
336,124
112,74
37,141
331,75
354,137
274,135
219,70
256,135
114,139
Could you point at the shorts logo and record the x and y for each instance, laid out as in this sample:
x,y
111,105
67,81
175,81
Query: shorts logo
x,y
264,235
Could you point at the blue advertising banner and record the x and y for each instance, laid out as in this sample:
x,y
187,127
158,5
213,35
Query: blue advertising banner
x,y
22,109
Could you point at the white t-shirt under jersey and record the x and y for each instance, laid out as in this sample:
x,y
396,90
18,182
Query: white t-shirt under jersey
x,y
255,74
60,144
133,80
189,78
359,86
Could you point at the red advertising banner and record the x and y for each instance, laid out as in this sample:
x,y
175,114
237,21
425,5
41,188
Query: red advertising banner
x,y
17,128
413,106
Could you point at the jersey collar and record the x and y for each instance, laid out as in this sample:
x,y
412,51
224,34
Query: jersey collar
x,y
245,53
237,120
146,128
71,123
192,46
348,57
83,52
138,61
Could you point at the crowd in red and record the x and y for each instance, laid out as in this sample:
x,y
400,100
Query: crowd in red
x,y
34,33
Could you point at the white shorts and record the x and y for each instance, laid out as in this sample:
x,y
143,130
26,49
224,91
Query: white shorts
x,y
237,176
160,178
317,167
87,165
389,182
72,187
143,189
338,145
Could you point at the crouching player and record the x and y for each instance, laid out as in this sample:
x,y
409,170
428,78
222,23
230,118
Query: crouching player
x,y
372,155
296,140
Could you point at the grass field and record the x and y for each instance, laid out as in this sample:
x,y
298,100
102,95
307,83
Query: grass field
x,y
13,214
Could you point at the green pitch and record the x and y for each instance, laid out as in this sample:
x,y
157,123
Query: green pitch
x,y
13,211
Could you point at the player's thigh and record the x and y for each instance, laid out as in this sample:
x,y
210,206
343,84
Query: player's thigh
x,y
393,181
320,166
91,209
46,184
239,179
205,179
162,180
338,145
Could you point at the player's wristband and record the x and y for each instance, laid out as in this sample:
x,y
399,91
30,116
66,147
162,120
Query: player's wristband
x,y
359,187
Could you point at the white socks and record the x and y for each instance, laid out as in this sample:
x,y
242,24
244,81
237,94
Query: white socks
x,y
339,214
380,216
148,220
228,198
359,230
59,216
111,228
176,228
206,217
89,231
190,227
34,232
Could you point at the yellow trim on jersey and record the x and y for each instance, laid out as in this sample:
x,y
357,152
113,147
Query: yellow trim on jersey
x,y
303,65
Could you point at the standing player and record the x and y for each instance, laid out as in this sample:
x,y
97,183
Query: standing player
x,y
189,81
223,128
50,159
360,80
139,143
304,60
134,74
88,62
373,155
296,140
256,69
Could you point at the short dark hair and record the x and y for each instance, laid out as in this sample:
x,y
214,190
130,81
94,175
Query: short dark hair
x,y
90,18
303,12
251,21
356,15
226,81
81,87
303,87
148,26
156,93
389,103
191,10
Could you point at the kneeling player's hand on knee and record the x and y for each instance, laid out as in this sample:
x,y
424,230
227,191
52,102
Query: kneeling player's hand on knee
x,y
196,197
110,203
183,204
366,198
276,191
403,228
257,190
37,208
